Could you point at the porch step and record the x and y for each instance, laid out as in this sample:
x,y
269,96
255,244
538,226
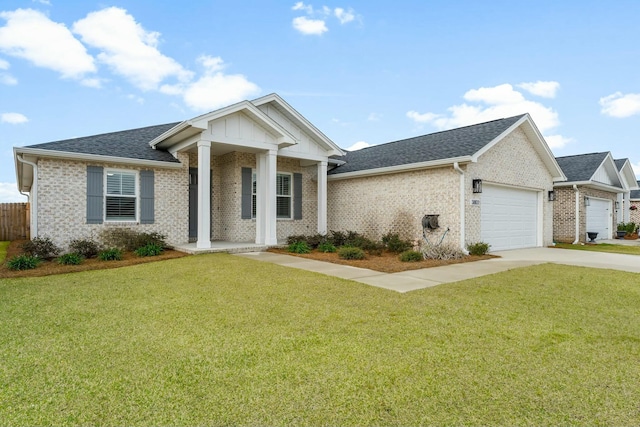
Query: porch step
x,y
225,247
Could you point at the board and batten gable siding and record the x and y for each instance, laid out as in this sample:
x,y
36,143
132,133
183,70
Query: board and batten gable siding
x,y
513,161
376,205
62,201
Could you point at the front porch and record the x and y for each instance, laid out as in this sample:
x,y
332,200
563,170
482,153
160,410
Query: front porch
x,y
225,247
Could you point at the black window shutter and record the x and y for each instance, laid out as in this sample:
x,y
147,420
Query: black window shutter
x,y
247,174
95,195
297,196
147,210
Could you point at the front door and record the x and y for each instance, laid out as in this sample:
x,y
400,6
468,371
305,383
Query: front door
x,y
193,203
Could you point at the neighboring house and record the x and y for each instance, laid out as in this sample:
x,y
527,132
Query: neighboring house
x,y
253,171
635,204
487,182
629,183
592,196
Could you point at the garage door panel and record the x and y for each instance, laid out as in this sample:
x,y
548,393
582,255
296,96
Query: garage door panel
x,y
509,217
599,218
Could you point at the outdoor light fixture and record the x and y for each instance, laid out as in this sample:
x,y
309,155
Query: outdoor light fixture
x,y
587,201
551,196
477,186
617,205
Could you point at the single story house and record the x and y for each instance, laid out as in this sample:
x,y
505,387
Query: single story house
x,y
258,171
487,182
594,198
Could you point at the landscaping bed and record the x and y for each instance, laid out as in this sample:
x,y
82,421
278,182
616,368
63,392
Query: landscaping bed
x,y
387,262
47,268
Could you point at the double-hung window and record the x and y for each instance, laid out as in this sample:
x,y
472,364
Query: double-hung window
x,y
121,196
284,195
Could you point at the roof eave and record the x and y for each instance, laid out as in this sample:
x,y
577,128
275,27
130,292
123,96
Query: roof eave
x,y
401,168
592,184
37,152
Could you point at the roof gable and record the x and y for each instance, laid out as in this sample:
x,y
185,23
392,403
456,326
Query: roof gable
x,y
591,168
635,194
627,174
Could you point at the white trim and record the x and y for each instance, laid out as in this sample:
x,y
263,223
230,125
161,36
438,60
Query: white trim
x,y
591,184
136,196
322,197
33,195
290,195
577,220
96,158
401,168
463,207
204,195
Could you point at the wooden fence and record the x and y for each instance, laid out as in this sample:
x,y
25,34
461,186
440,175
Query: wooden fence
x,y
14,221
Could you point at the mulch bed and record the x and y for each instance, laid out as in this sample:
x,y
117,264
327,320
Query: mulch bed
x,y
388,262
47,268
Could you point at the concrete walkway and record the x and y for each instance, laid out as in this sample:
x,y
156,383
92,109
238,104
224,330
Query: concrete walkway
x,y
427,277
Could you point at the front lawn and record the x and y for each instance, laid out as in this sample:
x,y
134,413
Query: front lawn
x,y
602,247
218,339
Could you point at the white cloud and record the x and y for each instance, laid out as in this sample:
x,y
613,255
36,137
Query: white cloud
x,y
620,105
301,6
216,89
31,35
309,26
358,146
540,88
9,193
45,2
8,79
136,98
13,118
374,117
4,65
491,103
343,15
131,51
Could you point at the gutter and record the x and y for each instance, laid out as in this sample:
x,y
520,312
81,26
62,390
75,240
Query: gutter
x,y
457,168
575,188
33,199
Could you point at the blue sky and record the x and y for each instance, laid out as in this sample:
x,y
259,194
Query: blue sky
x,y
363,72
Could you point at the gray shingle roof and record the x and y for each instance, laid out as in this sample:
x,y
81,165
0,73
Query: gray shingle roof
x,y
581,167
464,141
635,194
620,163
132,144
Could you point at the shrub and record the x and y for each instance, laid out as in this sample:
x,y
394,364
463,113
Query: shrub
x,y
395,244
299,248
630,227
111,254
478,248
372,248
442,251
350,252
149,250
338,238
87,248
72,258
411,256
296,238
146,239
120,238
41,247
313,241
327,247
23,262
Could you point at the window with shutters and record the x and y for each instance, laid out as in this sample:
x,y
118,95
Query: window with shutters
x,y
121,196
284,195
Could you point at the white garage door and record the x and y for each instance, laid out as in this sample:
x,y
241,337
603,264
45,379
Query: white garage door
x,y
509,217
599,218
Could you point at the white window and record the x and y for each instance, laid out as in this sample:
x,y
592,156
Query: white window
x,y
121,196
284,195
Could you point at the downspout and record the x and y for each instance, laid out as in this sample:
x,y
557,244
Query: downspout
x,y
456,166
575,188
33,199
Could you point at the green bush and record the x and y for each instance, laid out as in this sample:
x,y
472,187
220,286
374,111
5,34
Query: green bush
x,y
478,248
394,243
23,262
313,240
41,247
119,237
327,247
72,258
296,238
630,227
111,254
350,252
371,247
151,249
87,248
299,248
411,256
338,238
146,239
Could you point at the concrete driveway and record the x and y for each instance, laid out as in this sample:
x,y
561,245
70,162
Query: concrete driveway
x,y
428,277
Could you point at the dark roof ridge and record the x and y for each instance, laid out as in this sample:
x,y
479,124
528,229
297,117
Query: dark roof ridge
x,y
441,131
583,154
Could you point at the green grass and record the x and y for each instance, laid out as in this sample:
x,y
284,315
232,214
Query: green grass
x,y
602,247
221,340
3,251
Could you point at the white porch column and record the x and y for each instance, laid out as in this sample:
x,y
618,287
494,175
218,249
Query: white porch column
x,y
620,210
204,195
266,232
626,205
322,198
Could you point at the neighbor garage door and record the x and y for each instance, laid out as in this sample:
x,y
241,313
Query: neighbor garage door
x,y
509,218
599,217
